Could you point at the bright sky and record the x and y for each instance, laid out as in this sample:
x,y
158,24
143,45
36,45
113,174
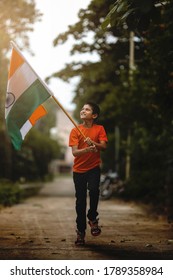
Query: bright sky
x,y
57,15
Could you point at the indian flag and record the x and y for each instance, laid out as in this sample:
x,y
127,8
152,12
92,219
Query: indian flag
x,y
26,94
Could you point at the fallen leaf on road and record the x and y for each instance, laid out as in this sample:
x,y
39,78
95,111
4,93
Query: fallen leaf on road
x,y
148,245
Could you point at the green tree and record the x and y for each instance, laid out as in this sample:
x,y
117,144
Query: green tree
x,y
16,20
33,161
152,136
139,101
105,81
134,15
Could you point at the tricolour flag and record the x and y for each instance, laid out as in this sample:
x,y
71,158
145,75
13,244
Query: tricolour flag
x,y
25,95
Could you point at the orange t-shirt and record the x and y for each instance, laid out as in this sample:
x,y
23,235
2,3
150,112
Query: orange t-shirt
x,y
90,160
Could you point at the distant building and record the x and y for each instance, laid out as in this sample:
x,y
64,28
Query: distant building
x,y
63,128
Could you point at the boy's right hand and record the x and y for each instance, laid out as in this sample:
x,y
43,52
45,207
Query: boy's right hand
x,y
92,148
88,141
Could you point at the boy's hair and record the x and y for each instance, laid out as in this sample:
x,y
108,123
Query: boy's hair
x,y
95,108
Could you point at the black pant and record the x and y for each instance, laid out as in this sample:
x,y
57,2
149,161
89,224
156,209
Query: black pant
x,y
89,180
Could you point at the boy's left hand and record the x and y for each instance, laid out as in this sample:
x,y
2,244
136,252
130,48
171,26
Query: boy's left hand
x,y
91,144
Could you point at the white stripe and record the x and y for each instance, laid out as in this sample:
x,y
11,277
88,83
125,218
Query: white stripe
x,y
19,82
25,128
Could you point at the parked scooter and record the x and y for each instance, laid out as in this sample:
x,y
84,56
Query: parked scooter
x,y
110,183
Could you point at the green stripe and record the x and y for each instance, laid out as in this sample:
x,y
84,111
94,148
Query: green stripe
x,y
26,104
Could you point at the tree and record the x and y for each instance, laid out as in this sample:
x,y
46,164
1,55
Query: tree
x,y
16,20
152,23
33,161
140,102
134,15
100,81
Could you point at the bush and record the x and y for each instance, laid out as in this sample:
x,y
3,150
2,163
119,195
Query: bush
x,y
10,193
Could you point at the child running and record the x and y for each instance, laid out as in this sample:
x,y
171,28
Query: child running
x,y
86,169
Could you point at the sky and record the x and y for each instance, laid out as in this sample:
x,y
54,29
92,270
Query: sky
x,y
57,15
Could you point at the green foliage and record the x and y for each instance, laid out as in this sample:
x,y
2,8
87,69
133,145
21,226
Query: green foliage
x,y
9,193
16,20
118,14
139,101
5,156
44,151
33,161
13,193
134,14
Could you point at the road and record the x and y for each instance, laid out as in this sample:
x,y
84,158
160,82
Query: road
x,y
43,228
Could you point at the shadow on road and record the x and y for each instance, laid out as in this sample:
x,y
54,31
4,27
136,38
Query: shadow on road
x,y
116,252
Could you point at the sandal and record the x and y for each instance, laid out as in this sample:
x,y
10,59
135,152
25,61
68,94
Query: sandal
x,y
80,238
95,229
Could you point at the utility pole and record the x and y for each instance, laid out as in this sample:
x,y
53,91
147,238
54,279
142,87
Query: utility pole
x,y
117,148
131,52
131,68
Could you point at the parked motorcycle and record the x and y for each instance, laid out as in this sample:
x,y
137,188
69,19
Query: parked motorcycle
x,y
110,183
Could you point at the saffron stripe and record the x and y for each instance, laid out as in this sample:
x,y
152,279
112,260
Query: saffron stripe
x,y
16,62
18,83
36,115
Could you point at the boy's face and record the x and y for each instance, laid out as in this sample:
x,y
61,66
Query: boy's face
x,y
87,113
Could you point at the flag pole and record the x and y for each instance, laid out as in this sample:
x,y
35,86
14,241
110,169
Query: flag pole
x,y
50,92
67,114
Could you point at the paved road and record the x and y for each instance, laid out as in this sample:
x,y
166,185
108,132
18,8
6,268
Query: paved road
x,y
43,228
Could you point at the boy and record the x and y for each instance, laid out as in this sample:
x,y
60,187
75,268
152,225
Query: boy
x,y
86,168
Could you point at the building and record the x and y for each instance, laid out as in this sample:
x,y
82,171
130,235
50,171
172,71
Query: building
x,y
61,132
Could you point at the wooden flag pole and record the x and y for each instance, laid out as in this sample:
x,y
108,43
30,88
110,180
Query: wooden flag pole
x,y
67,114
